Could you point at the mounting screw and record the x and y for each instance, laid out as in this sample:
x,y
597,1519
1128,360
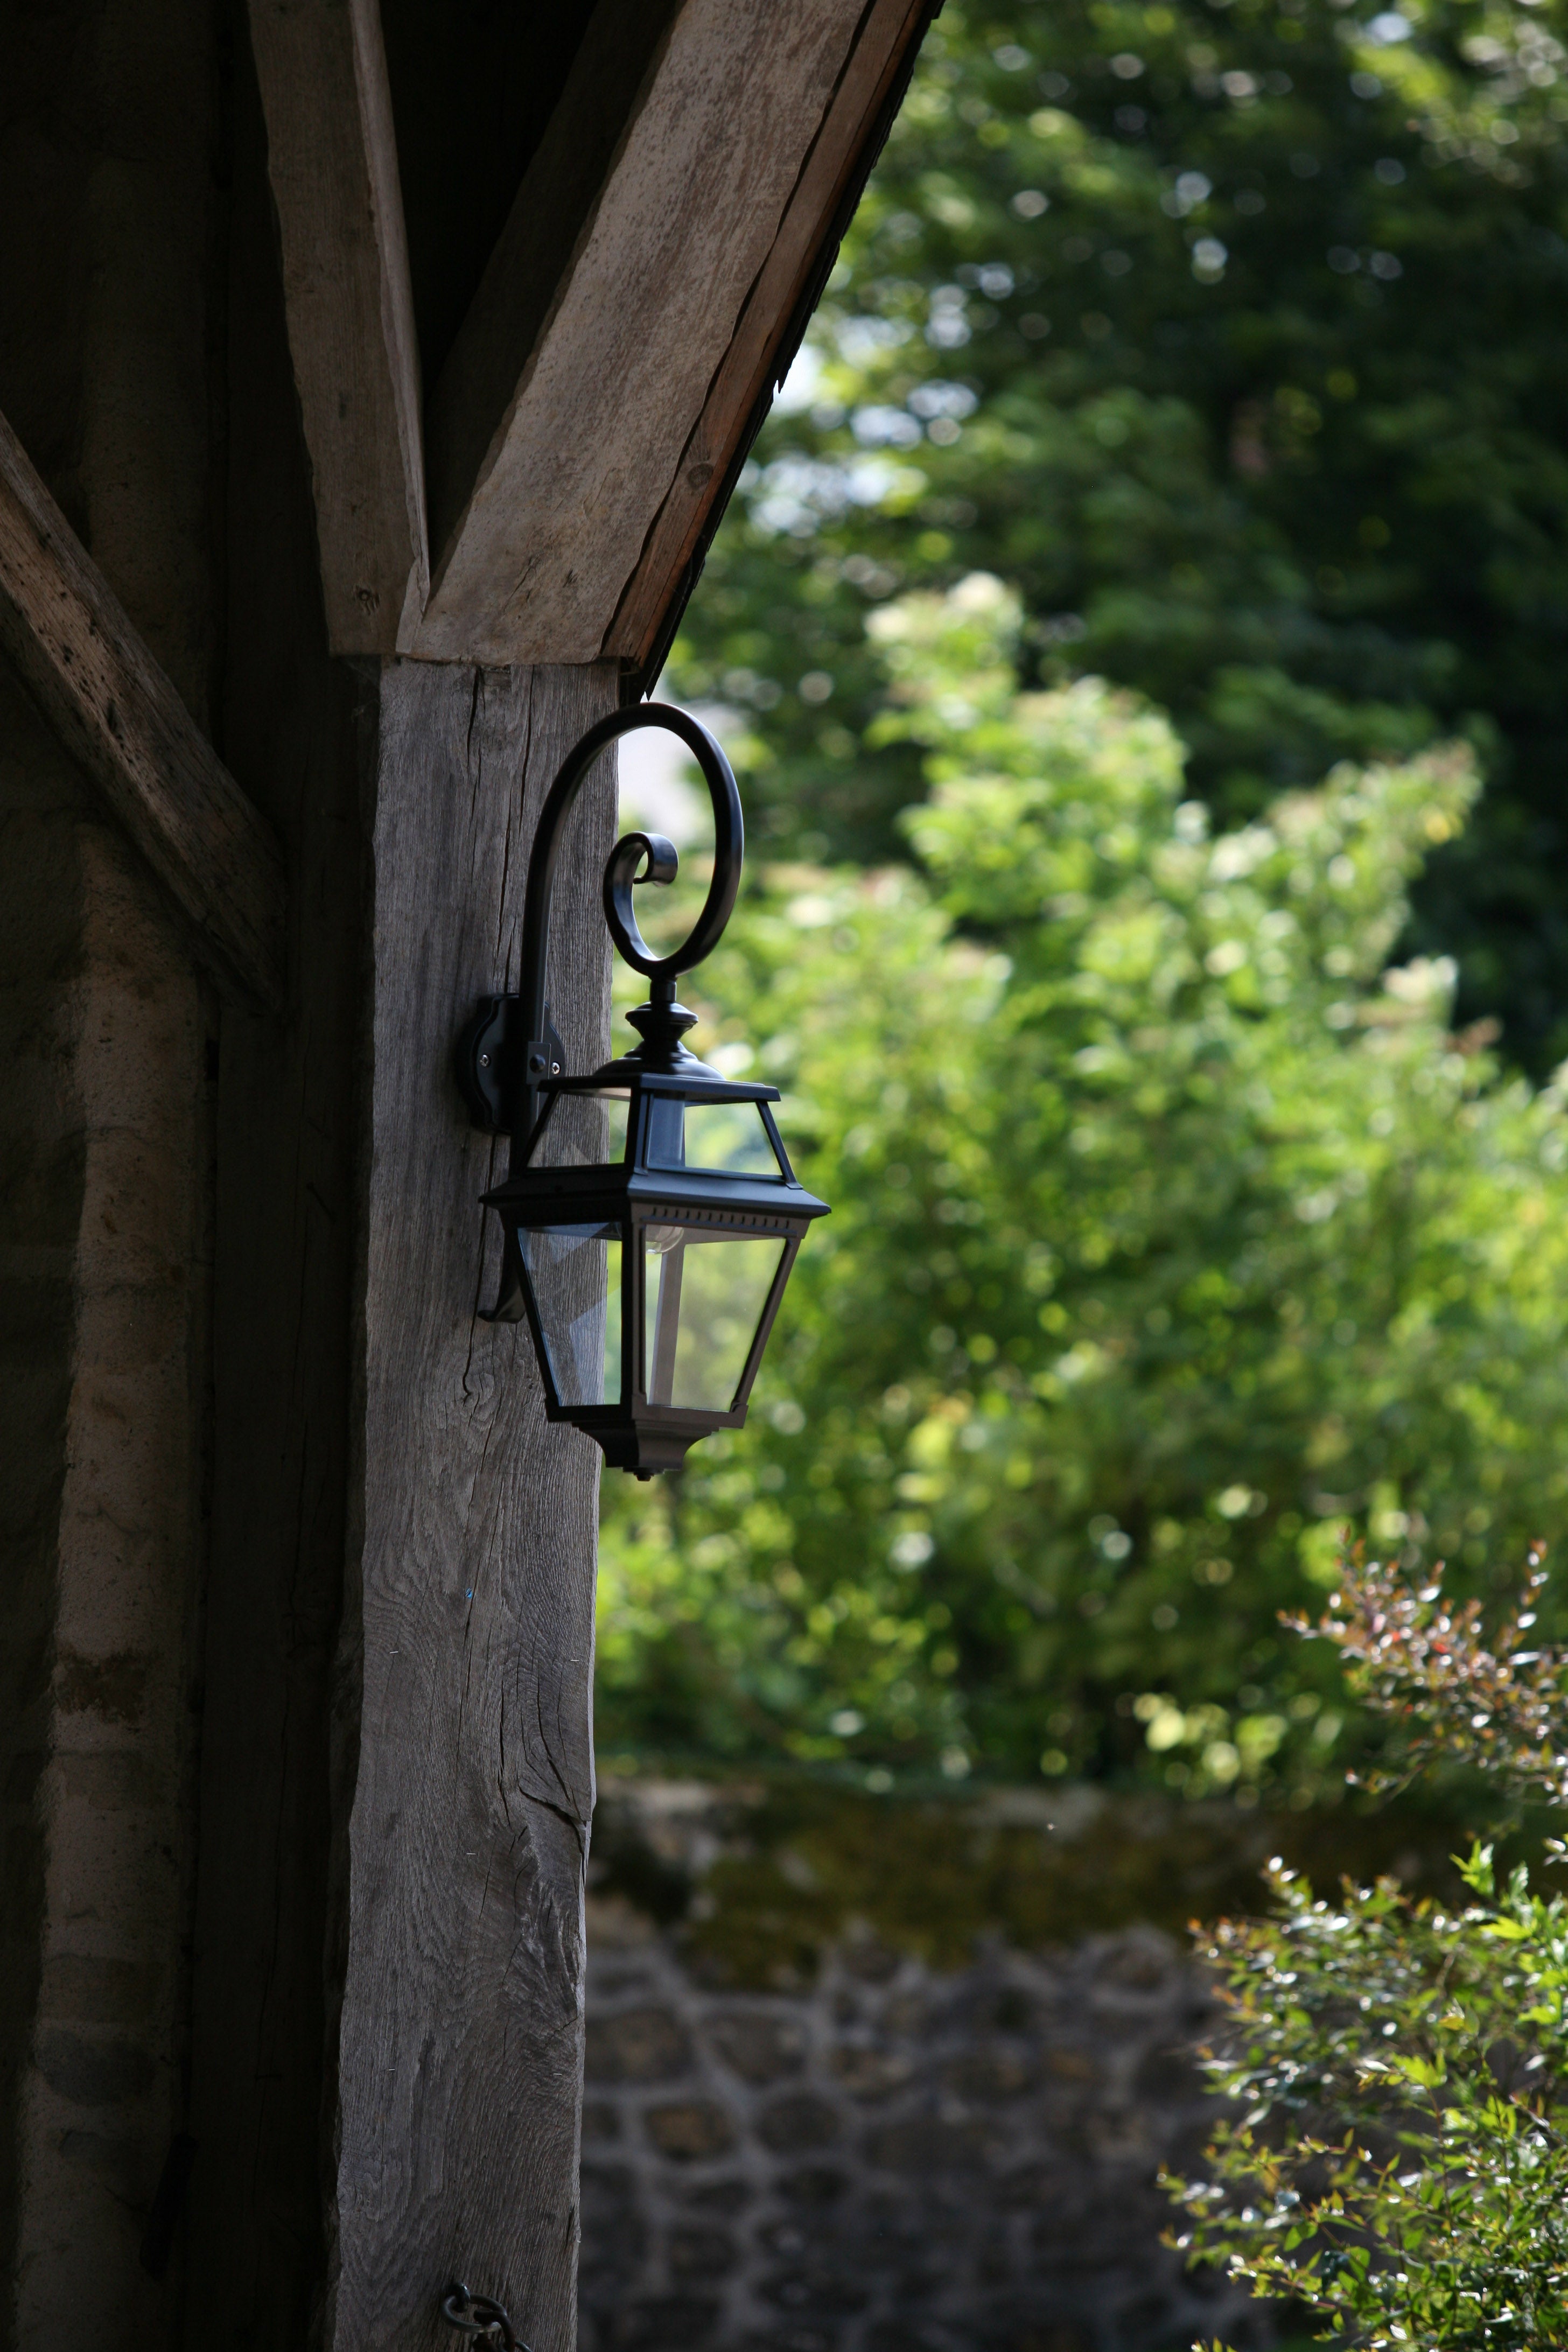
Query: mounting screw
x,y
484,1061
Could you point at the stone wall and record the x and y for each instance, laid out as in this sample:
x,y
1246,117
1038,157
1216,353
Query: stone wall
x,y
868,2077
896,2159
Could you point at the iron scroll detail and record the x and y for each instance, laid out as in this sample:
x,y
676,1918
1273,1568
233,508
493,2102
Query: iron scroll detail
x,y
510,1047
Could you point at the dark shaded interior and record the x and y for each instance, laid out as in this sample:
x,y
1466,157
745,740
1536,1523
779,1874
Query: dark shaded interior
x,y
474,83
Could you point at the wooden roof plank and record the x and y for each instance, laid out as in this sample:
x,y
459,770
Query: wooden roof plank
x,y
579,462
775,315
332,164
118,714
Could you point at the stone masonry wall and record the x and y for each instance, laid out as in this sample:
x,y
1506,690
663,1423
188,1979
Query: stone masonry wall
x,y
877,2073
896,2073
895,2159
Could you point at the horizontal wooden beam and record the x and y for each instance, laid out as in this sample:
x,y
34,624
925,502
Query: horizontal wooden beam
x,y
117,713
778,307
331,159
576,443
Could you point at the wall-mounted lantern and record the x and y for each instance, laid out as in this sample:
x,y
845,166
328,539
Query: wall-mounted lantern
x,y
650,1213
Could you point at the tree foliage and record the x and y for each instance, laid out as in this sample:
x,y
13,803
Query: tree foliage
x,y
1231,333
1172,1229
1399,2164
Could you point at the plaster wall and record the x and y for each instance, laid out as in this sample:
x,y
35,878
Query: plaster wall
x,y
108,1255
111,152
42,1169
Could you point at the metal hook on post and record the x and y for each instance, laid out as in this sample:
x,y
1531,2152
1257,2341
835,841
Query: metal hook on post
x,y
479,2317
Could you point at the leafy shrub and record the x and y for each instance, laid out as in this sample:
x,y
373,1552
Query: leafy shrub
x,y
1171,1230
1401,2166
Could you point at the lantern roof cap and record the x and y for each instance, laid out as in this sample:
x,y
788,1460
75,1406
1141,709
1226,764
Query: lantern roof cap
x,y
687,1076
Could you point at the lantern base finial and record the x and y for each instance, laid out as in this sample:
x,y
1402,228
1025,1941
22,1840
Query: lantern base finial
x,y
646,1447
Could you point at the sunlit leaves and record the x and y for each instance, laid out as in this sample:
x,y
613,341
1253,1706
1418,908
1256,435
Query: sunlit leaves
x,y
1242,367
1395,2158
1171,1232
1424,1661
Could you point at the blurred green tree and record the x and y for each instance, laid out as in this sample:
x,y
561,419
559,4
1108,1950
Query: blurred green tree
x,y
1171,1230
1231,333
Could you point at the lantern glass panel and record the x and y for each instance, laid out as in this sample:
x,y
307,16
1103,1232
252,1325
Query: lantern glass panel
x,y
705,1295
582,1131
728,1138
574,1275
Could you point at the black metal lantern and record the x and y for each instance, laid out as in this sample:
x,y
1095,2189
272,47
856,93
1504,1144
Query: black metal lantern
x,y
651,1216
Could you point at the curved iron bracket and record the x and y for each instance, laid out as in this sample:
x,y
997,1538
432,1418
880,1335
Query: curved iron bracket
x,y
511,1047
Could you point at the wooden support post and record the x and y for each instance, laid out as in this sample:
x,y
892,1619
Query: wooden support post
x,y
463,1728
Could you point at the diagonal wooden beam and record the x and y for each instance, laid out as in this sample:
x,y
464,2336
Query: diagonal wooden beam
x,y
331,161
532,259
784,293
116,712
571,449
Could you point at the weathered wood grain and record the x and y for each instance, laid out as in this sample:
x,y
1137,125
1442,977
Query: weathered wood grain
x,y
116,712
555,203
464,1724
333,163
775,313
580,461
